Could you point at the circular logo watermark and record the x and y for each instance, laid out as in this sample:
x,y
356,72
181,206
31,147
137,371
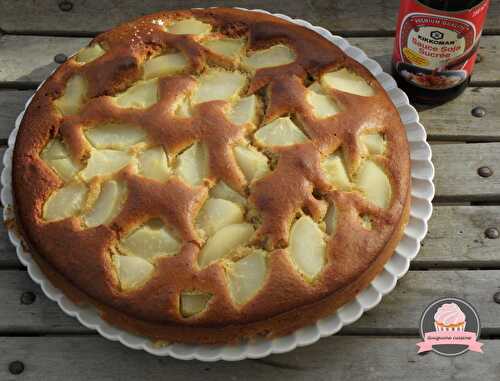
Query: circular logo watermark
x,y
450,327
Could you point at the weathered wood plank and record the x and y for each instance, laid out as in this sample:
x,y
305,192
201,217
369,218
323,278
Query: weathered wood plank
x,y
451,121
30,59
457,171
456,239
8,257
334,358
11,104
91,16
400,311
454,120
43,315
397,314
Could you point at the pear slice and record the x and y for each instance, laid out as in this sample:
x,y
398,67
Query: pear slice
x,y
227,47
276,55
192,164
280,132
331,219
142,94
183,108
193,302
105,162
217,213
247,276
90,53
132,272
153,164
253,164
150,241
189,26
54,150
374,143
73,96
323,106
307,247
115,135
65,168
166,64
244,111
374,184
335,172
217,84
316,87
57,157
223,242
222,190
65,202
347,81
107,205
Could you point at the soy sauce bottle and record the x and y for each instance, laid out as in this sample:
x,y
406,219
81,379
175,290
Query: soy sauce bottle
x,y
436,46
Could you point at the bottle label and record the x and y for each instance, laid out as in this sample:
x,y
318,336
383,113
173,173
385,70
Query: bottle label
x,y
437,49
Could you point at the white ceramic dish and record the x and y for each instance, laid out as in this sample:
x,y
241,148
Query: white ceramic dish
x,y
422,192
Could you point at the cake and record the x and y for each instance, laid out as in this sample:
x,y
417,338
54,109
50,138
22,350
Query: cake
x,y
211,176
449,317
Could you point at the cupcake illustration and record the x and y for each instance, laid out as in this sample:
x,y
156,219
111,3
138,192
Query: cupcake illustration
x,y
449,317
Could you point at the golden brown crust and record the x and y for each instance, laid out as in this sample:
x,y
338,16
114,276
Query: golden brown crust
x,y
78,261
275,326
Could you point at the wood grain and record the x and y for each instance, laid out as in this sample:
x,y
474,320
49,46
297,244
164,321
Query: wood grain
x,y
456,238
29,59
11,104
398,313
335,358
454,120
91,16
456,171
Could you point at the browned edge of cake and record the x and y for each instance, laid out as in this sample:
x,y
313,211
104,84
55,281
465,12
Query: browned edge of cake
x,y
276,326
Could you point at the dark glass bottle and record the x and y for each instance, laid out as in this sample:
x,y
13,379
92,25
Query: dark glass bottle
x,y
450,5
436,47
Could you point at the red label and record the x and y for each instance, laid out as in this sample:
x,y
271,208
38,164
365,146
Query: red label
x,y
437,49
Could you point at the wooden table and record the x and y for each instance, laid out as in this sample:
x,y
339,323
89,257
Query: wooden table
x,y
460,256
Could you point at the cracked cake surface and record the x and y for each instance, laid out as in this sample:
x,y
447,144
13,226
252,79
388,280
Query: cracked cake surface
x,y
209,176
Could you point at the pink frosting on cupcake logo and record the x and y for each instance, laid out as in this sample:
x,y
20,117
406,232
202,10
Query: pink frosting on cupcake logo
x,y
449,317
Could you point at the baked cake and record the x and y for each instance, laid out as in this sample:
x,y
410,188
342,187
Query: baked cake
x,y
211,176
